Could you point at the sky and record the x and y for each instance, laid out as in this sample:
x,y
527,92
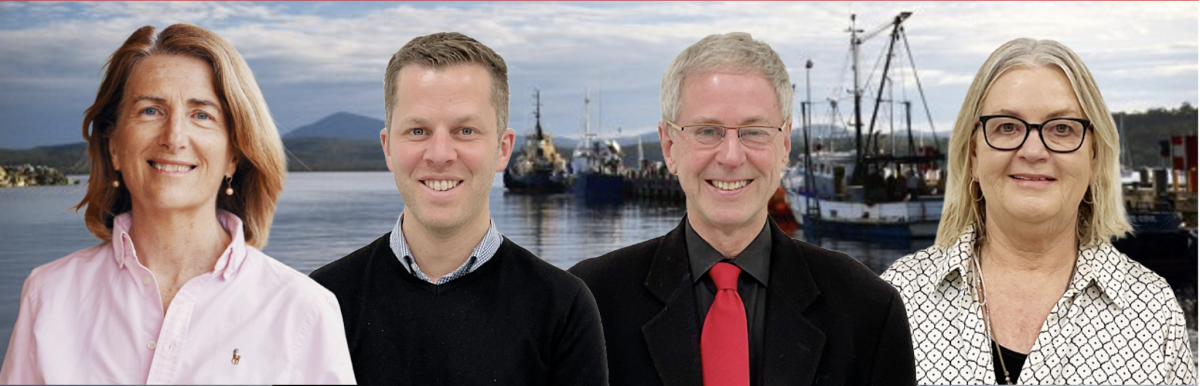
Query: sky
x,y
313,59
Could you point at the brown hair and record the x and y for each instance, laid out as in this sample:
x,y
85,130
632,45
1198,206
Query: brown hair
x,y
445,49
262,166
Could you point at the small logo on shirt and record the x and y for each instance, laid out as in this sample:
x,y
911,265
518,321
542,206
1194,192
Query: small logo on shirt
x,y
236,358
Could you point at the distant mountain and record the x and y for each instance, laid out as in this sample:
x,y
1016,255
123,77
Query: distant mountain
x,y
630,141
332,154
344,141
70,158
340,126
559,141
820,131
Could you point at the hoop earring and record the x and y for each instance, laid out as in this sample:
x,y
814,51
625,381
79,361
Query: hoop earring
x,y
1087,197
975,187
116,183
229,182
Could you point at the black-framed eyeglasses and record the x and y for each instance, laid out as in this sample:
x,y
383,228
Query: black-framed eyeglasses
x,y
710,135
1059,135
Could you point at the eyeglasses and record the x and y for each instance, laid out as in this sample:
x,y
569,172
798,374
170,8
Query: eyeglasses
x,y
756,137
1060,135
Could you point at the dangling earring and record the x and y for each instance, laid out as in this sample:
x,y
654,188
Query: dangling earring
x,y
975,187
117,181
229,182
1087,197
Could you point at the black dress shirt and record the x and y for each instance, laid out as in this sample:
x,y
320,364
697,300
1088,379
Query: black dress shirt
x,y
755,262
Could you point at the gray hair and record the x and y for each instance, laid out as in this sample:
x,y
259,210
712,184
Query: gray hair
x,y
736,52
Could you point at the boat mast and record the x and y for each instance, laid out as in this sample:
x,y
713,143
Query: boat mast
x,y
587,114
641,155
600,109
537,123
855,42
883,79
1121,134
810,190
537,113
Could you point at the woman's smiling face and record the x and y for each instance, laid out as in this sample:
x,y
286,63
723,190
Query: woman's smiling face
x,y
1032,184
172,143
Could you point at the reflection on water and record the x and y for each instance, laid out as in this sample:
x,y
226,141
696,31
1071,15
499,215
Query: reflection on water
x,y
563,234
324,216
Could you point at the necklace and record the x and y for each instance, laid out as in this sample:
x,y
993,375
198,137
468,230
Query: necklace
x,y
987,318
987,315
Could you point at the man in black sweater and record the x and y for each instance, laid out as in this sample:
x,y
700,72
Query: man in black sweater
x,y
727,298
444,299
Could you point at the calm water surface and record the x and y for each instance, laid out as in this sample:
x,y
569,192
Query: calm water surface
x,y
324,216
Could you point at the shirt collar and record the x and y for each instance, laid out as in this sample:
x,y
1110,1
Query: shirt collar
x,y
956,258
231,259
1103,265
1100,264
754,260
482,253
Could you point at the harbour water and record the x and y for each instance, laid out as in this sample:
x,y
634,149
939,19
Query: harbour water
x,y
324,216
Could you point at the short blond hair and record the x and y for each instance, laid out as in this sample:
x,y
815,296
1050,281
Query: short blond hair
x,y
734,51
445,49
262,166
1101,212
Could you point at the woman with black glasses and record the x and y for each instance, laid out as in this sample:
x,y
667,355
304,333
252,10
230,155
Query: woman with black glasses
x,y
1023,284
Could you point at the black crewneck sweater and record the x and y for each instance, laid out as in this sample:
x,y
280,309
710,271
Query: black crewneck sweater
x,y
516,320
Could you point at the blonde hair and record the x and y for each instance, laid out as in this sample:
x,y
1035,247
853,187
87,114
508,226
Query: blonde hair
x,y
445,49
1101,212
262,166
734,51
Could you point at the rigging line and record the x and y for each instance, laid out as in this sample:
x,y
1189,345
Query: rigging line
x,y
297,158
835,121
836,92
908,109
289,151
892,112
871,142
867,90
836,114
921,90
908,112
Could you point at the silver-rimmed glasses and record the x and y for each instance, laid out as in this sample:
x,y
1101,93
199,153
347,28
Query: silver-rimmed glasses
x,y
756,137
1060,135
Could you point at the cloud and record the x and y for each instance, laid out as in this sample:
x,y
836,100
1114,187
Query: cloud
x,y
316,59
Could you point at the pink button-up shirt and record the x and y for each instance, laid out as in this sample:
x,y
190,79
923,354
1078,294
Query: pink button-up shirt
x,y
95,316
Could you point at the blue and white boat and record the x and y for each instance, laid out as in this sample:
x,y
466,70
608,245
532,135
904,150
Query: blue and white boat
x,y
596,165
868,193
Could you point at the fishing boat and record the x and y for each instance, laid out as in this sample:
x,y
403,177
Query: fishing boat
x,y
871,192
538,168
1163,219
596,165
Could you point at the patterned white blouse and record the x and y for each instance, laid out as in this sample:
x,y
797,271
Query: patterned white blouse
x,y
1117,323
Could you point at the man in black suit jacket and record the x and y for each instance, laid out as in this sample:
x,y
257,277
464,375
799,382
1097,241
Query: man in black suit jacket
x,y
812,316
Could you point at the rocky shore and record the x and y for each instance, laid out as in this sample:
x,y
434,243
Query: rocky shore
x,y
30,175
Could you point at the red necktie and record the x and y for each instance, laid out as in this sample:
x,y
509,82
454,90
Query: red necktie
x,y
724,342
